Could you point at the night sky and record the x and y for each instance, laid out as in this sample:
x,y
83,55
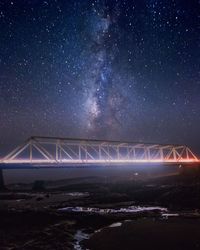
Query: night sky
x,y
120,70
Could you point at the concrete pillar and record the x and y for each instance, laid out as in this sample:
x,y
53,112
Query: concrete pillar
x,y
2,185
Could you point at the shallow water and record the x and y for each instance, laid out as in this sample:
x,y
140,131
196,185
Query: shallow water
x,y
81,235
117,224
78,237
93,210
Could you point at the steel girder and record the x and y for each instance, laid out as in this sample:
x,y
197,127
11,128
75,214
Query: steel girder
x,y
51,150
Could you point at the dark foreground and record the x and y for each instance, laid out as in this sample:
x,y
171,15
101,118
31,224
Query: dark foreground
x,y
161,213
174,234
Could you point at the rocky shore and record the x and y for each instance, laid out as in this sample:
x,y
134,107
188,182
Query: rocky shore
x,y
165,212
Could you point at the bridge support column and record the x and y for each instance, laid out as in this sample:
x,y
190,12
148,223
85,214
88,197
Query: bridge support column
x,y
2,184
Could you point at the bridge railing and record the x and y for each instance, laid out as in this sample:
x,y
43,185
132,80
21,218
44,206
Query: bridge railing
x,y
49,150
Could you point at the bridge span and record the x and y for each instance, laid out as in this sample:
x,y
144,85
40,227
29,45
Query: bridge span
x,y
51,151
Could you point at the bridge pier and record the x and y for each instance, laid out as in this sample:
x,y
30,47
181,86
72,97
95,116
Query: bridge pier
x,y
2,184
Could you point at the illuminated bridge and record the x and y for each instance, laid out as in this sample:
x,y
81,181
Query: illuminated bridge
x,y
51,151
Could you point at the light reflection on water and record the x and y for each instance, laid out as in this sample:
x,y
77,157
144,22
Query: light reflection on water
x,y
167,215
117,224
130,209
78,237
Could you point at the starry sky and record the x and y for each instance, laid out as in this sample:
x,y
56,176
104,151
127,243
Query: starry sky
x,y
103,69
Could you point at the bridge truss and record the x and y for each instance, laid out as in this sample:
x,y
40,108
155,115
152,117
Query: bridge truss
x,y
63,151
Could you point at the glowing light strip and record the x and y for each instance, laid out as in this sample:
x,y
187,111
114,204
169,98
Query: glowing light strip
x,y
102,161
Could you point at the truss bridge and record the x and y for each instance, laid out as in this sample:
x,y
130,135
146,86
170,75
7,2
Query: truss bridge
x,y
51,151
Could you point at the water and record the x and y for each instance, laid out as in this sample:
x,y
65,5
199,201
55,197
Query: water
x,y
130,209
81,235
78,237
117,224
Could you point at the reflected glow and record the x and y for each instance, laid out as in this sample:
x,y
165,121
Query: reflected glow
x,y
94,210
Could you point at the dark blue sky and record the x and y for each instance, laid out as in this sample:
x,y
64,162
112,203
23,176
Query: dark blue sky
x,y
121,70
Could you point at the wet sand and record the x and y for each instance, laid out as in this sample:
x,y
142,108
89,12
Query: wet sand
x,y
156,234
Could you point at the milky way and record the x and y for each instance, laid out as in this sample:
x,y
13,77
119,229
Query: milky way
x,y
100,107
120,70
